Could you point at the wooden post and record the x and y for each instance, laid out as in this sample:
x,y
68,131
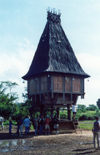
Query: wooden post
x,y
63,88
82,88
52,87
42,110
52,112
69,111
57,110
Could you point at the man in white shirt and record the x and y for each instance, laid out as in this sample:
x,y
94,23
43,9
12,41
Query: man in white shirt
x,y
74,111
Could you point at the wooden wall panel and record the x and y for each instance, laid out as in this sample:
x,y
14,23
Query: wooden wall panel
x,y
67,84
43,84
33,86
76,85
58,83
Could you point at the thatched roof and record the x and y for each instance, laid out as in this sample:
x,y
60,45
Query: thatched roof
x,y
54,52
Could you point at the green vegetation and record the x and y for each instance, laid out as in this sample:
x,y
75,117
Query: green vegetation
x,y
7,122
83,112
7,99
87,125
9,107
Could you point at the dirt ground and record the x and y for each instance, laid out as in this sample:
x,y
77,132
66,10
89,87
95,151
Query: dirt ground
x,y
62,144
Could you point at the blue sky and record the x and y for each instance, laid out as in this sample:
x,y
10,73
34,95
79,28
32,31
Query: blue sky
x,y
22,23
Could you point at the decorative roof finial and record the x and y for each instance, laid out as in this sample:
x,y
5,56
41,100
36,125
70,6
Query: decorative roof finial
x,y
48,9
53,15
54,11
59,13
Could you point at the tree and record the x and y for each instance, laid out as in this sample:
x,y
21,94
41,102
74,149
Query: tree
x,y
91,107
7,98
27,105
98,103
81,108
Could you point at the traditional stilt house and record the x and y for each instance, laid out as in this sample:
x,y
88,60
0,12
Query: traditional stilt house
x,y
55,78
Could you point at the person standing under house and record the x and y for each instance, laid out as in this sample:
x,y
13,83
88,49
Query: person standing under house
x,y
41,125
96,133
27,124
10,126
56,124
18,124
47,125
36,119
1,122
74,111
21,126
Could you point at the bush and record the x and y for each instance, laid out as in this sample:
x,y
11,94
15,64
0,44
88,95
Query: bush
x,y
83,117
63,114
88,115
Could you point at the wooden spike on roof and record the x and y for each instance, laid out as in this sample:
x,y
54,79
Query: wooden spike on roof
x,y
54,52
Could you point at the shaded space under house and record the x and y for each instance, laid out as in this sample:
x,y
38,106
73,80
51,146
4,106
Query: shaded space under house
x,y
55,78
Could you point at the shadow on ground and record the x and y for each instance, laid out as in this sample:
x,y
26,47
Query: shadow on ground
x,y
85,151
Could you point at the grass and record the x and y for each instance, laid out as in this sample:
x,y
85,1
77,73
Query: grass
x,y
87,125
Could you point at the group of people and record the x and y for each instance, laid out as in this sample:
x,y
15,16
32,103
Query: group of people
x,y
20,124
45,125
42,125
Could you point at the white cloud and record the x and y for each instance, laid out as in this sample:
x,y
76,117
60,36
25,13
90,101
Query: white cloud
x,y
91,65
16,65
19,61
90,62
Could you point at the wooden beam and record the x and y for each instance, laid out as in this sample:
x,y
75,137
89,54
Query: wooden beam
x,y
69,111
64,88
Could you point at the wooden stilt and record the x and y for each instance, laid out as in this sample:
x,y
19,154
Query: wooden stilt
x,y
69,111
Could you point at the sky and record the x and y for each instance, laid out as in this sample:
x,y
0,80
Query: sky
x,y
21,25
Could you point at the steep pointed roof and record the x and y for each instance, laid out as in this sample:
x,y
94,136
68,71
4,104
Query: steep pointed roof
x,y
54,52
